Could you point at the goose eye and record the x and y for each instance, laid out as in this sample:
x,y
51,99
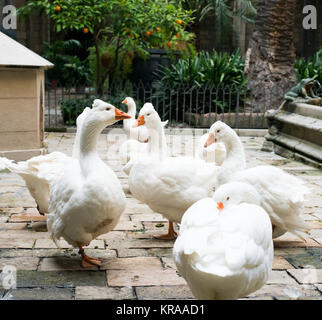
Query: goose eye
x,y
227,198
148,114
108,109
218,130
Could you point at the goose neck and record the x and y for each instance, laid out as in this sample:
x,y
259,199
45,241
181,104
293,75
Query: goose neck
x,y
87,147
157,142
131,108
234,147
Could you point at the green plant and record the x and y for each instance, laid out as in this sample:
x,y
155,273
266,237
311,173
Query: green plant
x,y
207,68
68,69
72,108
221,11
218,77
124,62
309,68
224,9
117,23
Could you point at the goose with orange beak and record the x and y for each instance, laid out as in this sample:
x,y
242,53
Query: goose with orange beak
x,y
138,137
225,250
168,185
221,133
140,134
86,197
282,194
37,171
210,151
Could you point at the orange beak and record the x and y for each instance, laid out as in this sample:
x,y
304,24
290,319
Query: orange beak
x,y
139,122
124,101
220,205
211,139
120,115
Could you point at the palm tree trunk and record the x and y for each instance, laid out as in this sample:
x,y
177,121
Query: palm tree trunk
x,y
271,64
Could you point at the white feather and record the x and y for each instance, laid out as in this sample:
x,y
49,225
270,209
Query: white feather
x,y
226,254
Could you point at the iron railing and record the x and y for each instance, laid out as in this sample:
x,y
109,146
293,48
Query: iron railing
x,y
182,106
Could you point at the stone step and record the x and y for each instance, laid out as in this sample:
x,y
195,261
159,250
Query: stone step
x,y
303,109
292,146
298,126
296,131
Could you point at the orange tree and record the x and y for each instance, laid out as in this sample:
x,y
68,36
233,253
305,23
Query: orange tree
x,y
141,23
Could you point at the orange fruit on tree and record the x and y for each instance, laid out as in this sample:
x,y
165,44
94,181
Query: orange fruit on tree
x,y
147,33
58,8
131,35
85,30
178,35
179,21
127,30
158,29
169,44
152,31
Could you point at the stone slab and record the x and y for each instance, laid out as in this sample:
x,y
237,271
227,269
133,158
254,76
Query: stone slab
x,y
305,260
280,277
307,276
291,292
49,244
42,294
164,292
140,271
21,263
65,279
103,293
128,225
25,217
16,243
280,263
63,263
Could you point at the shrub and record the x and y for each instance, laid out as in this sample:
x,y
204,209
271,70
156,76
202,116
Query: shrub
x,y
124,59
211,68
215,78
309,68
69,69
72,108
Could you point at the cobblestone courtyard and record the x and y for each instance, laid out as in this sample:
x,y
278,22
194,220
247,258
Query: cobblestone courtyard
x,y
136,266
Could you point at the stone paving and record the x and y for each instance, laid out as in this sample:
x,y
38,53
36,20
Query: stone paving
x,y
136,266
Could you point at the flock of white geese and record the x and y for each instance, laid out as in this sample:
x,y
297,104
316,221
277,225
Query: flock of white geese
x,y
228,214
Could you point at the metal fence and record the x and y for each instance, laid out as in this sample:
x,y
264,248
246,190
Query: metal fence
x,y
182,106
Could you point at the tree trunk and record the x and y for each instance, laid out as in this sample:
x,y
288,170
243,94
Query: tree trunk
x,y
195,28
98,66
271,64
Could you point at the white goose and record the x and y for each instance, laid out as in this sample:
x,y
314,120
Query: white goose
x,y
141,133
79,123
225,251
86,198
282,195
138,136
39,170
168,185
216,152
235,159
